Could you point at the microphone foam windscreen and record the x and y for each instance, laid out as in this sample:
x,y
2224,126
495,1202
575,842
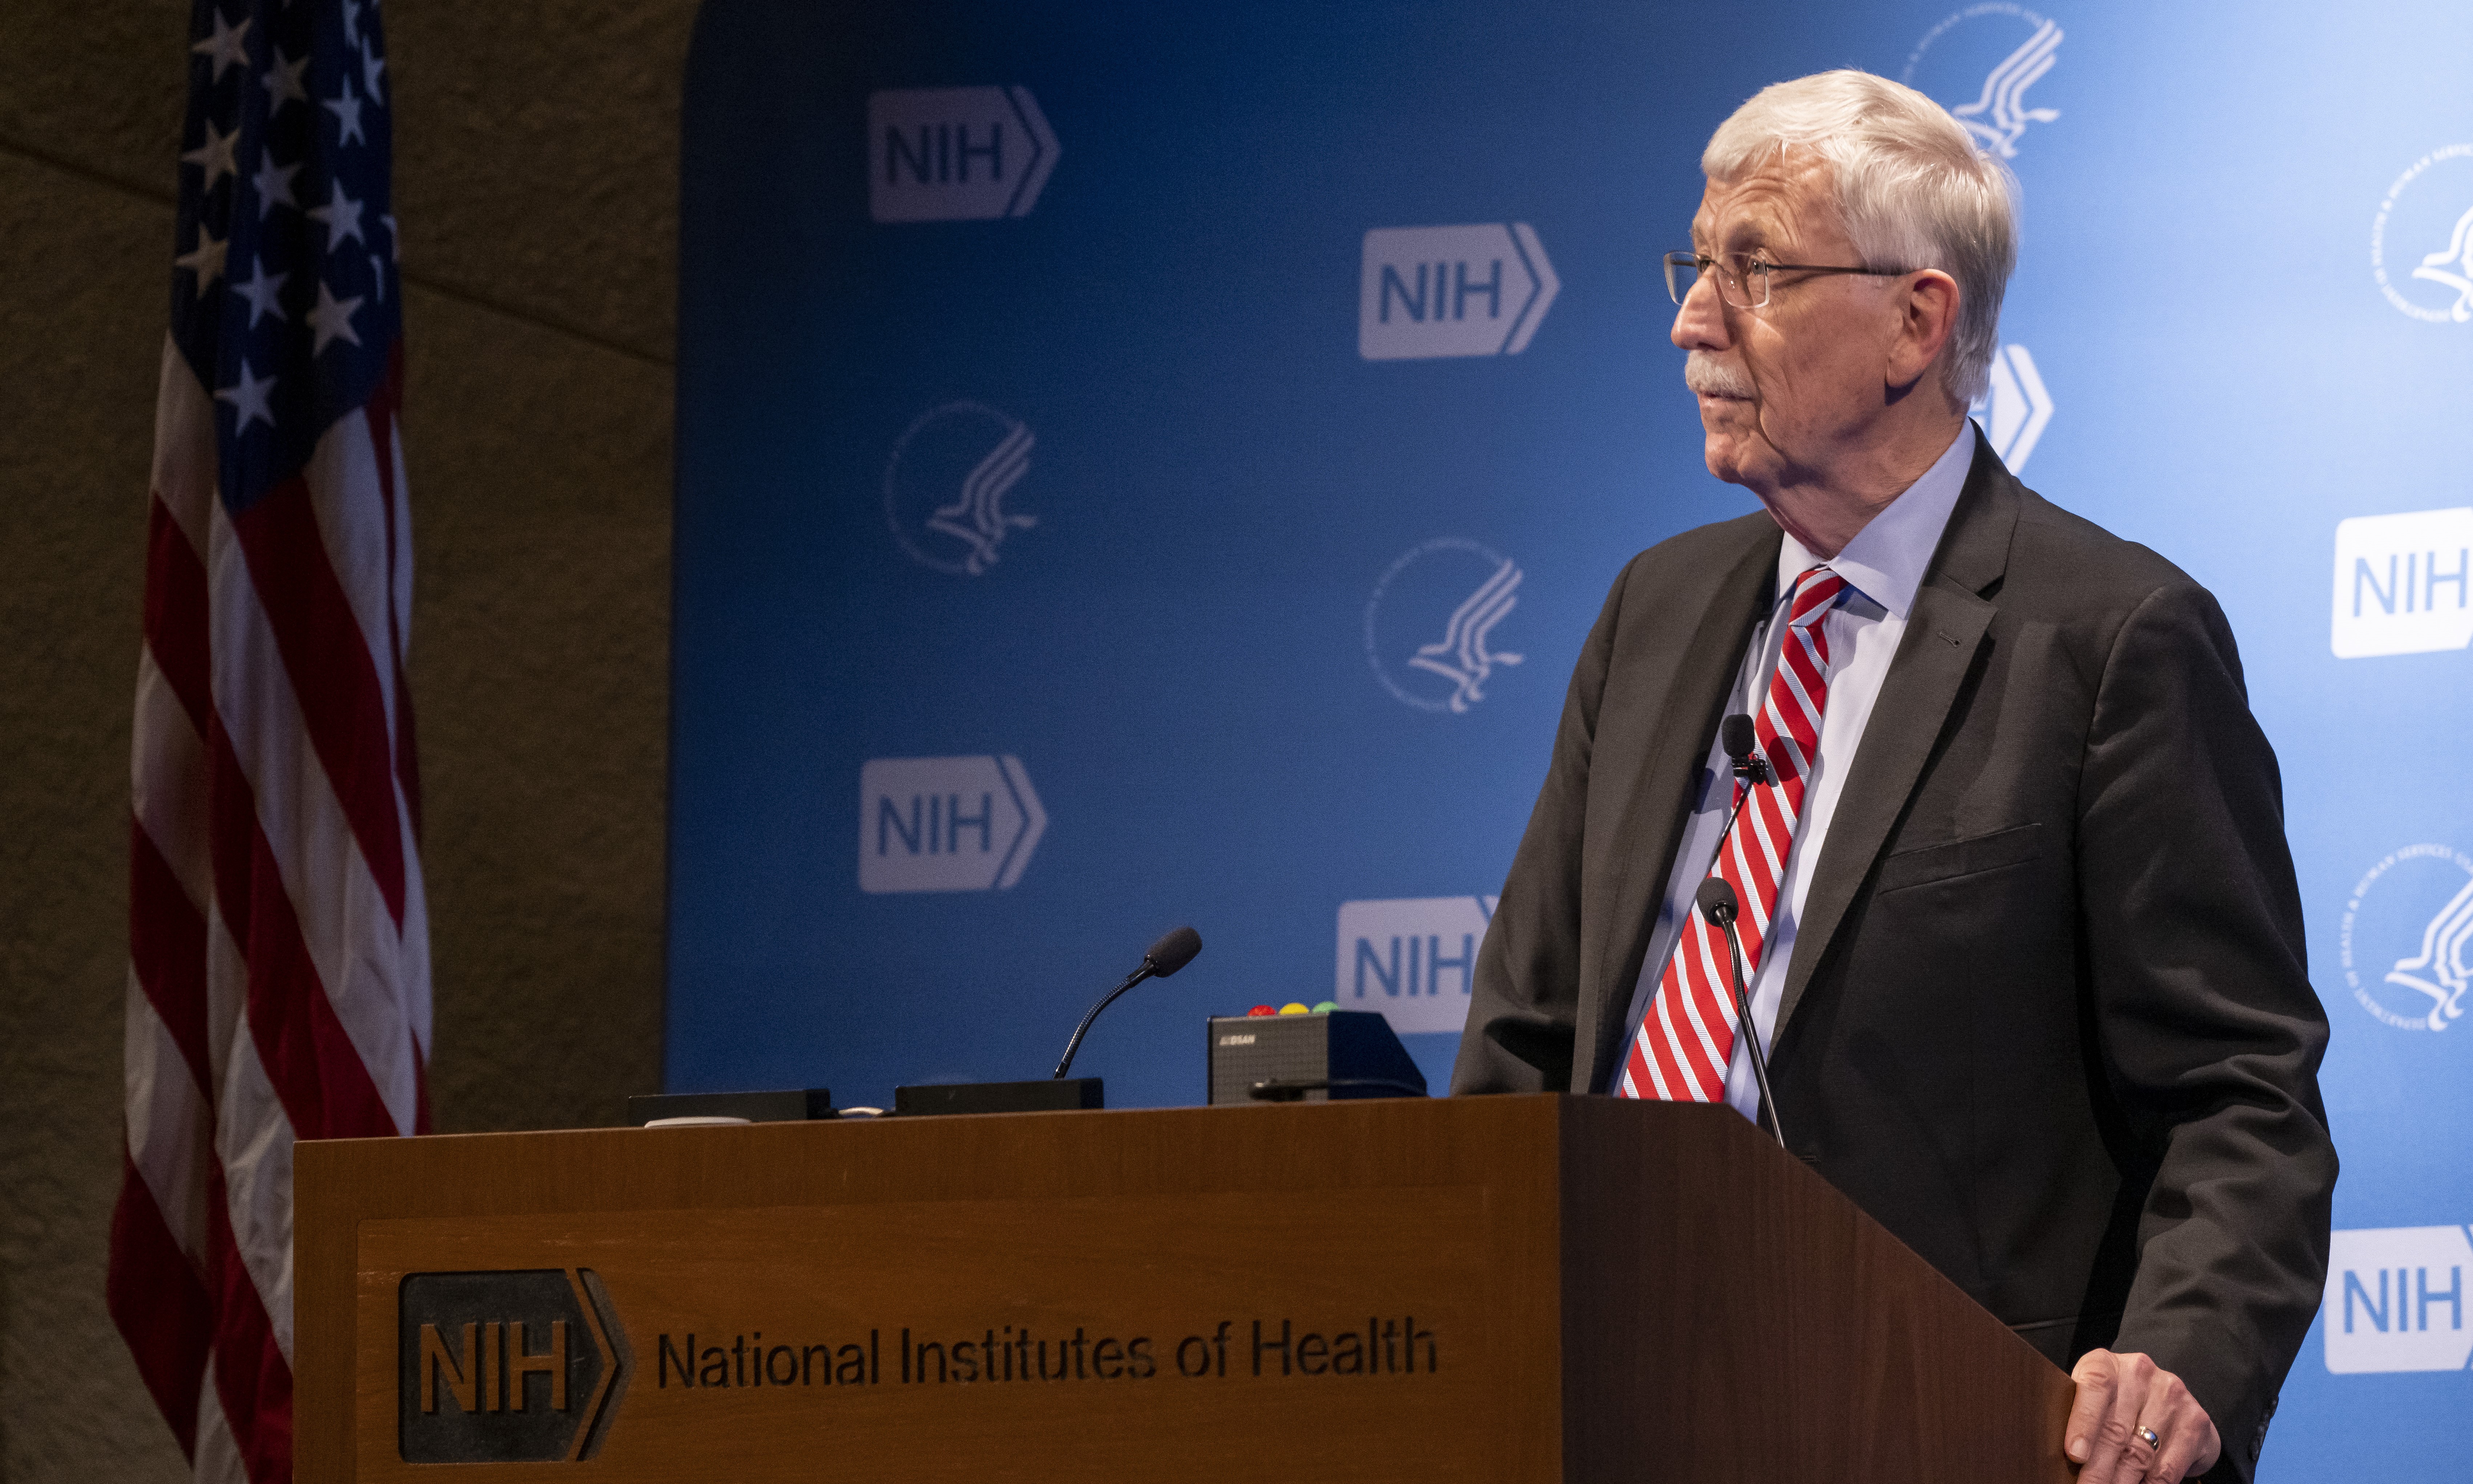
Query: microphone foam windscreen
x,y
1717,899
1174,951
1737,731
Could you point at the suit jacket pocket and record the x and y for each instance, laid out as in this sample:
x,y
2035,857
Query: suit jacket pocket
x,y
1925,864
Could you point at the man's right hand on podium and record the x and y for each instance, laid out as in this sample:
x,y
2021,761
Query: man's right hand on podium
x,y
2134,1423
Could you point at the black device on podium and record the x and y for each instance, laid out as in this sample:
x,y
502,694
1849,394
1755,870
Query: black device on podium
x,y
1311,1058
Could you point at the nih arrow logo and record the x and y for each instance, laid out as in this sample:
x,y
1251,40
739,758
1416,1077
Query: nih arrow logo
x,y
955,154
2395,1300
2014,407
1437,291
946,823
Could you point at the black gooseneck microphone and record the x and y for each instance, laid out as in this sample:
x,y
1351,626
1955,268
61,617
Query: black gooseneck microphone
x,y
1175,949
1719,905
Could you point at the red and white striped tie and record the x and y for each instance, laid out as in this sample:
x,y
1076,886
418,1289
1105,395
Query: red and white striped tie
x,y
1688,1035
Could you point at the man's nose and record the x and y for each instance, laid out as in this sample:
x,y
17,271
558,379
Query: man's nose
x,y
1700,320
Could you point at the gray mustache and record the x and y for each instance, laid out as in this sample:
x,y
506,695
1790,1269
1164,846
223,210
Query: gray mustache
x,y
1704,372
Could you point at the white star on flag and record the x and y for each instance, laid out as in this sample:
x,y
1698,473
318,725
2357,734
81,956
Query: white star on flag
x,y
206,259
215,156
225,46
346,105
284,83
342,216
332,319
248,396
372,67
260,290
273,184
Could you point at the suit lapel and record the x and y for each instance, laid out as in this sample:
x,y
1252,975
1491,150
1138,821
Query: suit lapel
x,y
1647,815
1943,634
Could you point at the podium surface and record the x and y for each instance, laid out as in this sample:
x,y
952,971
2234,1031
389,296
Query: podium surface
x,y
1517,1289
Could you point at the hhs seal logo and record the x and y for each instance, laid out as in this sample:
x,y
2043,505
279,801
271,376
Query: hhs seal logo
x,y
2421,243
2408,938
945,484
1430,625
1992,65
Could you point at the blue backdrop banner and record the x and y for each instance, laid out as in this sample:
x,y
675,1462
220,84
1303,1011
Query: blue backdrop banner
x,y
1146,463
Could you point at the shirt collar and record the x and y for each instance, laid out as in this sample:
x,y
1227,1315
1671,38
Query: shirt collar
x,y
1886,560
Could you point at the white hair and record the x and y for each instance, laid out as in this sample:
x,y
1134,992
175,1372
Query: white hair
x,y
1913,191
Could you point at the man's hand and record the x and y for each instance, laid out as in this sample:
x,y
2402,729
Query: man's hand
x,y
2124,1400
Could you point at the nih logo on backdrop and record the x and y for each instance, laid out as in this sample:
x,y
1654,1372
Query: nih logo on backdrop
x,y
946,823
1437,291
2014,408
955,154
2401,582
1413,959
2395,1300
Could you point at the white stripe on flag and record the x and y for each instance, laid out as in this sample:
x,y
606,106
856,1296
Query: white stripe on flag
x,y
253,1140
168,1124
345,923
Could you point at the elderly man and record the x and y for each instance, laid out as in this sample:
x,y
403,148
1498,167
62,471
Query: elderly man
x,y
2019,921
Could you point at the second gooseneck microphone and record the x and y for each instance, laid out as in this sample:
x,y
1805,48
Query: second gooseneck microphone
x,y
1175,949
1719,905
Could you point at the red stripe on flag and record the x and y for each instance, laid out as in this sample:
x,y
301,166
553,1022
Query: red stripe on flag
x,y
325,1090
175,627
334,678
252,1378
167,947
160,1306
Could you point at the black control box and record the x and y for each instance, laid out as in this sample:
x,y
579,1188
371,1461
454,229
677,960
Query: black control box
x,y
1311,1058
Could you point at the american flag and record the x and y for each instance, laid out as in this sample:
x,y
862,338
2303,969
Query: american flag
x,y
278,981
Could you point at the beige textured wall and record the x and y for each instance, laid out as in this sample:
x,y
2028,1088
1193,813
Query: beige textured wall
x,y
536,183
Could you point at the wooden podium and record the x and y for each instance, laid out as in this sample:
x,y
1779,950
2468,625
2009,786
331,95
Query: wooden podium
x,y
1531,1289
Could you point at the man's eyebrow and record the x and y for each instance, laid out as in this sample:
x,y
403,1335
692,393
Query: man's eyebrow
x,y
1750,232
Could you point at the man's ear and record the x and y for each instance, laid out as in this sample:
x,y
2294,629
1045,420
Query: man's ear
x,y
1927,319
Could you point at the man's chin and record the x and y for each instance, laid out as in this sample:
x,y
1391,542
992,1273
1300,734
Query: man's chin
x,y
1723,450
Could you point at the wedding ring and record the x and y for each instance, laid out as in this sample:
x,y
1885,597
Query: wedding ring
x,y
2147,1435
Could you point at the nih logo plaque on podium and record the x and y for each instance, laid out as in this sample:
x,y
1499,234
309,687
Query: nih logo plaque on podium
x,y
507,1367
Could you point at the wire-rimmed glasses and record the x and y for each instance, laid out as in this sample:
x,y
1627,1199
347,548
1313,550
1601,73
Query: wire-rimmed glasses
x,y
1743,277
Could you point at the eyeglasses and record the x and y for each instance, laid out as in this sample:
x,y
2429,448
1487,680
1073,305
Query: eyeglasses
x,y
1743,277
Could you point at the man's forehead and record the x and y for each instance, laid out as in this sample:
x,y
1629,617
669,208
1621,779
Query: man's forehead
x,y
1776,199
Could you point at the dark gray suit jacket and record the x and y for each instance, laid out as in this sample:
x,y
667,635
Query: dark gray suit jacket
x,y
2047,1018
